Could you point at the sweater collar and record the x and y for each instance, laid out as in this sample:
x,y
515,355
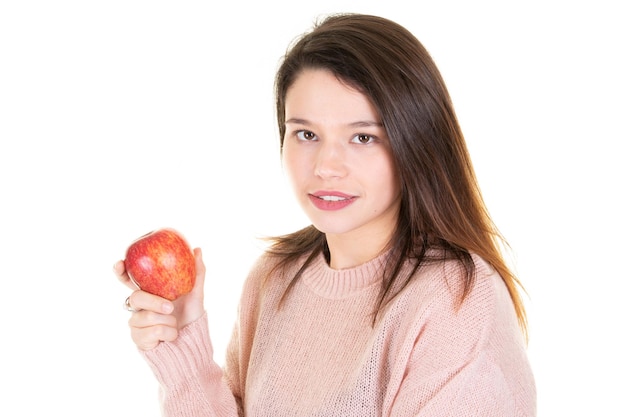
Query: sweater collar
x,y
340,283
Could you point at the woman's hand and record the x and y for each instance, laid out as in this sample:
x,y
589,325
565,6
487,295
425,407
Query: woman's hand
x,y
155,319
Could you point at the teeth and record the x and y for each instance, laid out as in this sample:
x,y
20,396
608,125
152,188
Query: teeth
x,y
332,198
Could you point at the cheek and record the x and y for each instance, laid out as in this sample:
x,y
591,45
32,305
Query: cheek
x,y
388,179
292,165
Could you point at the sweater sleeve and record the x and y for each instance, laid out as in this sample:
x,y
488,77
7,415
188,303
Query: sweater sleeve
x,y
191,383
468,361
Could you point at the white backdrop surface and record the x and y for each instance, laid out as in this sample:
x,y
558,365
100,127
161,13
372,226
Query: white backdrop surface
x,y
120,117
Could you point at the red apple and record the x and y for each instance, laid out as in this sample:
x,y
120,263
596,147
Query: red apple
x,y
162,263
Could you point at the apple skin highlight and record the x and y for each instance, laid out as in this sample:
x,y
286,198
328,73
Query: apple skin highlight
x,y
162,263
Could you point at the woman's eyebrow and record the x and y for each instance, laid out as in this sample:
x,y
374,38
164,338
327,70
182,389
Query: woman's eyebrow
x,y
366,123
361,123
298,121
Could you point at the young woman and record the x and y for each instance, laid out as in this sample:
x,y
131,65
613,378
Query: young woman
x,y
396,301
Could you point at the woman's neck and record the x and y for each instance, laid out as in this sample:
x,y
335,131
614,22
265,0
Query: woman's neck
x,y
349,251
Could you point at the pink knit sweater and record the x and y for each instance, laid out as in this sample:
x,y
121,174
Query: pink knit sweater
x,y
319,355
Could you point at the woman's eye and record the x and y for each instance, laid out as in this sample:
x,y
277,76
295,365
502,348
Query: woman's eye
x,y
363,139
306,135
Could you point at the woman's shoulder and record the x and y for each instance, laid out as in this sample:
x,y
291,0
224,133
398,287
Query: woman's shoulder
x,y
460,277
435,309
448,288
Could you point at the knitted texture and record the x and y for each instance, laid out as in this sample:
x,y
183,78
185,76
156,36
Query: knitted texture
x,y
320,353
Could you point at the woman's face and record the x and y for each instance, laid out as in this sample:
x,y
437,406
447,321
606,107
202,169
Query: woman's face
x,y
338,158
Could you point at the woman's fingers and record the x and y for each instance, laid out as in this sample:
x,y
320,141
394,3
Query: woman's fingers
x,y
148,329
151,321
141,300
120,272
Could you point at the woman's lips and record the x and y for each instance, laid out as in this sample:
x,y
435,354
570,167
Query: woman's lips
x,y
331,200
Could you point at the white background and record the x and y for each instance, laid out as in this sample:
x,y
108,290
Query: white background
x,y
119,117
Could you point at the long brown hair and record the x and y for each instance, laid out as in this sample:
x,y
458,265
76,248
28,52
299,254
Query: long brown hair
x,y
441,203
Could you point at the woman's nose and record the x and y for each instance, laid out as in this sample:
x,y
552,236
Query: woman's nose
x,y
330,161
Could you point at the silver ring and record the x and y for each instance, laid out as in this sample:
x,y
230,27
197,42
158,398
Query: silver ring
x,y
127,305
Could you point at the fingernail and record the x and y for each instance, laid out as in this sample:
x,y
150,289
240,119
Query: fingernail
x,y
167,308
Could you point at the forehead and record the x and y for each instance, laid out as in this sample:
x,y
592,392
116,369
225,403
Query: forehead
x,y
319,94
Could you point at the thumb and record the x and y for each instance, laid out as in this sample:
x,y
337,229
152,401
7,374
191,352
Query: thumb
x,y
190,306
200,271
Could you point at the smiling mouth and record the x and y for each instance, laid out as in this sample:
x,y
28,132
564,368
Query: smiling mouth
x,y
331,197
331,201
